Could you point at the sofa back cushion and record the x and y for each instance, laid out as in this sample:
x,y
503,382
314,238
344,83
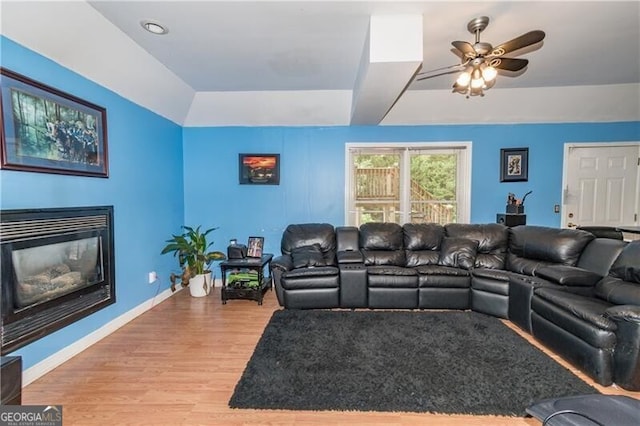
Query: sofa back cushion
x,y
458,252
598,256
492,238
533,246
382,244
381,236
422,243
308,256
422,236
627,265
309,234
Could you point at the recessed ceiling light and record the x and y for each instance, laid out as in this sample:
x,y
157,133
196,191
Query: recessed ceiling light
x,y
154,27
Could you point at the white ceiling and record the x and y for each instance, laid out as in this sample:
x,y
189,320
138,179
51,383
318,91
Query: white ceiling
x,y
297,63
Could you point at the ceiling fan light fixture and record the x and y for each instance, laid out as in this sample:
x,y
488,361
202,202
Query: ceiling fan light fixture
x,y
489,73
477,83
475,91
464,79
481,61
476,79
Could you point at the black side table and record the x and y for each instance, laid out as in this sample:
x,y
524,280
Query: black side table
x,y
247,264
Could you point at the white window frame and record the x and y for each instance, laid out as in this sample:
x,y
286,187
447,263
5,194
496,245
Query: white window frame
x,y
463,176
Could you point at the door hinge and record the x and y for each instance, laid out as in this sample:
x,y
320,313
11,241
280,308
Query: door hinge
x,y
635,217
638,161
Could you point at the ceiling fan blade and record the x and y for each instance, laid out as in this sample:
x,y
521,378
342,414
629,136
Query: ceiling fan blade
x,y
440,71
532,37
437,74
465,48
509,64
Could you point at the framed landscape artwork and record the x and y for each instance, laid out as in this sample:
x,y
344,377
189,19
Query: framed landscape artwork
x,y
259,169
46,130
514,164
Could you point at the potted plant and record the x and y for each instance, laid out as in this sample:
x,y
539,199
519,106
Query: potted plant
x,y
191,249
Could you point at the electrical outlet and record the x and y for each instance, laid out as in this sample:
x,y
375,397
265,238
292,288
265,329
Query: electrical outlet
x,y
153,277
556,208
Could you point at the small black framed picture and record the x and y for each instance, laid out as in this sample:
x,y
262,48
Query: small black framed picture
x,y
514,164
254,247
259,169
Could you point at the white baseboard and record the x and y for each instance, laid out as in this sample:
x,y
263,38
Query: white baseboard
x,y
43,367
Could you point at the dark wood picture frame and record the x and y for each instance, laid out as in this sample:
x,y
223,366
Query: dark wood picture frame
x,y
49,131
259,169
514,164
255,246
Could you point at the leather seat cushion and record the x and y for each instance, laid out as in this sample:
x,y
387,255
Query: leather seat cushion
x,y
441,270
494,274
392,276
490,286
618,292
391,270
587,309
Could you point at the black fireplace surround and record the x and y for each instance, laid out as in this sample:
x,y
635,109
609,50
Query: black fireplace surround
x,y
57,268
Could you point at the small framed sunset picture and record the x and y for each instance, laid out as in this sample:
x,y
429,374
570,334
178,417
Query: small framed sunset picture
x,y
259,169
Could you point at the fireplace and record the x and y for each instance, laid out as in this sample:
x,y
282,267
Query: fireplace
x,y
57,268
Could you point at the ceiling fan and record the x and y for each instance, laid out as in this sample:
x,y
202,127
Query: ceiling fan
x,y
481,61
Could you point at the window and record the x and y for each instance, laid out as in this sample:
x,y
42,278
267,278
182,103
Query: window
x,y
405,183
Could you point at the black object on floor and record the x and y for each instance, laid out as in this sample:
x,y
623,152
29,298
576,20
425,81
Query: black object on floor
x,y
588,410
442,362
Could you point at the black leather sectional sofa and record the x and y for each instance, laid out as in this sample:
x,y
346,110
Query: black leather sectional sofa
x,y
577,294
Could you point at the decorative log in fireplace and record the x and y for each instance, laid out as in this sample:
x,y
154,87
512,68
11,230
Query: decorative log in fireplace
x,y
57,268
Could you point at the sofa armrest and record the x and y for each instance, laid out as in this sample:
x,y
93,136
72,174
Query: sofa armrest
x,y
629,313
568,275
350,256
626,356
283,263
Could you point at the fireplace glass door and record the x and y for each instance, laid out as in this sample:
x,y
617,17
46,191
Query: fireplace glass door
x,y
53,270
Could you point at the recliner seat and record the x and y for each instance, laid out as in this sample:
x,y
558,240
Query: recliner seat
x,y
306,274
599,332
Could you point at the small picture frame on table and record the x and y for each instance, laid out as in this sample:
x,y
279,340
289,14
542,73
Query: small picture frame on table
x,y
255,246
514,164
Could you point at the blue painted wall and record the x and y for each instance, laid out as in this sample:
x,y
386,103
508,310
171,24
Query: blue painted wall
x,y
144,186
312,183
163,176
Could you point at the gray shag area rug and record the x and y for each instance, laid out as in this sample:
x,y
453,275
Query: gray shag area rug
x,y
440,362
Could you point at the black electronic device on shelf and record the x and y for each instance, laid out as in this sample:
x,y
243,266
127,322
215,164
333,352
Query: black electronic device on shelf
x,y
236,251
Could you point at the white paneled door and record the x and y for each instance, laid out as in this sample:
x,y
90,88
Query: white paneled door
x,y
601,185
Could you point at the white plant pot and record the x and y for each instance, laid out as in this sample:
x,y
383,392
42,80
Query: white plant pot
x,y
200,285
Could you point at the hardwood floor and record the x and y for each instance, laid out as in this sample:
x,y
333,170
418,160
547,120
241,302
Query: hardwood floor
x,y
178,364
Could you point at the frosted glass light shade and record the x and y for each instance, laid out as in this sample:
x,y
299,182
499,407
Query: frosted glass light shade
x,y
463,79
477,83
489,73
